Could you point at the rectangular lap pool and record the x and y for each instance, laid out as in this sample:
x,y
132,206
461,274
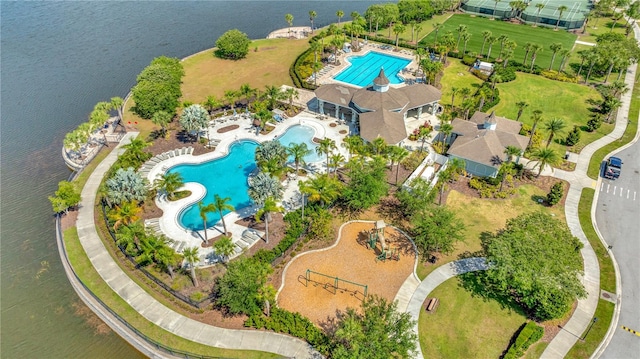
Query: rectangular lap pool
x,y
364,69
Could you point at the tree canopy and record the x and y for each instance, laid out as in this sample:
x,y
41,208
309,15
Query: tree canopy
x,y
437,229
377,330
66,196
158,87
536,261
240,289
233,45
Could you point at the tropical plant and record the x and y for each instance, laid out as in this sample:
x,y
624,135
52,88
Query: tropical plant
x,y
486,34
423,135
545,157
224,247
269,206
124,213
494,8
339,14
220,205
555,47
298,151
291,94
554,126
193,119
312,16
397,30
211,103
573,137
325,147
466,36
555,194
263,186
535,49
437,26
129,237
273,94
521,105
191,256
203,210
289,19
239,289
117,103
353,144
271,155
322,188
445,130
126,186
135,149
169,183
162,119
491,40
535,117
66,196
397,154
561,9
539,6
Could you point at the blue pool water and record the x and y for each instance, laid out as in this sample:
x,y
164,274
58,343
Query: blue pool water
x,y
227,176
365,68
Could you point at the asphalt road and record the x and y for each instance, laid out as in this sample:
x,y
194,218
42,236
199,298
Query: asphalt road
x,y
618,219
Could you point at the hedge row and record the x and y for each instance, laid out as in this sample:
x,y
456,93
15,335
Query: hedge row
x,y
283,321
295,229
530,334
298,81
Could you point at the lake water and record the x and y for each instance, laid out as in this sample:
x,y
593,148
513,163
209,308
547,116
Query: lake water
x,y
58,59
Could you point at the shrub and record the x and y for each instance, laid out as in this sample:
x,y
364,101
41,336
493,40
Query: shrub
x,y
197,296
594,123
529,334
479,74
414,159
559,76
233,44
573,137
506,74
555,194
469,59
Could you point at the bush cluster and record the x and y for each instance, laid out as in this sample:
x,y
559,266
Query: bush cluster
x,y
283,321
295,228
507,74
385,40
297,71
529,334
490,187
559,76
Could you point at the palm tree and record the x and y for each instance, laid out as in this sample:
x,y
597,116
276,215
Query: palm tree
x,y
336,43
486,34
564,54
269,207
545,157
465,37
117,103
273,95
263,186
503,40
136,147
335,160
454,91
561,9
494,8
593,57
397,154
554,126
353,144
611,105
446,130
527,50
162,119
555,47
536,117
220,205
211,103
289,19
247,92
231,97
534,53
539,6
169,183
322,188
166,257
436,27
491,40
125,214
128,237
191,256
423,135
521,105
461,30
224,247
512,151
298,151
326,146
204,209
291,93
378,146
397,30
312,16
510,47
339,14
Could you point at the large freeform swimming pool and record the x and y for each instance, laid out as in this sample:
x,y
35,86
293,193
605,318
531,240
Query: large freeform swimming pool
x,y
227,176
365,68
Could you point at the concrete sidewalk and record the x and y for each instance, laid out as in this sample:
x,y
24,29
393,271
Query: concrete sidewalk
x,y
578,180
153,310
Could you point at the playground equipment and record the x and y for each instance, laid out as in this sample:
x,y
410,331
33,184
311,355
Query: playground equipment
x,y
377,235
336,282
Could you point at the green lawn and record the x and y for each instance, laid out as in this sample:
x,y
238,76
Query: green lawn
x,y
584,349
456,74
600,26
556,99
94,282
521,34
481,215
464,326
427,27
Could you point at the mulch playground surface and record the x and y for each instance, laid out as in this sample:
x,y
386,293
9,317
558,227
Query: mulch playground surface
x,y
350,259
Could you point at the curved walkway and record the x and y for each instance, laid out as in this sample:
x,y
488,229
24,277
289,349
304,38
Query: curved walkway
x,y
153,310
434,279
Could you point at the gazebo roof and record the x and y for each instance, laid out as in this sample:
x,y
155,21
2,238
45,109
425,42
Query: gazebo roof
x,y
382,79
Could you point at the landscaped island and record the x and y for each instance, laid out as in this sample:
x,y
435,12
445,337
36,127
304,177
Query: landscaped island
x,y
239,201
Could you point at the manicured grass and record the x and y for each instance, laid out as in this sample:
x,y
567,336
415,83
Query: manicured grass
x,y
601,26
629,134
94,282
584,349
207,75
464,326
487,215
607,272
535,351
427,27
457,74
82,178
521,34
556,99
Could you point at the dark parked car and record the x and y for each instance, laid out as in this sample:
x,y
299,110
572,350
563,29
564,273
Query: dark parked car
x,y
612,168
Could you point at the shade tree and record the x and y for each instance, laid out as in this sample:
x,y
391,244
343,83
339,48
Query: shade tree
x,y
233,45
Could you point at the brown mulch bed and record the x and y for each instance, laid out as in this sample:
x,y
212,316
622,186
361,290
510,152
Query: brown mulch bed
x,y
342,132
333,124
68,220
316,140
228,128
176,139
351,260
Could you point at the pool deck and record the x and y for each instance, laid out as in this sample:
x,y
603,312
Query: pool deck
x,y
169,221
331,70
